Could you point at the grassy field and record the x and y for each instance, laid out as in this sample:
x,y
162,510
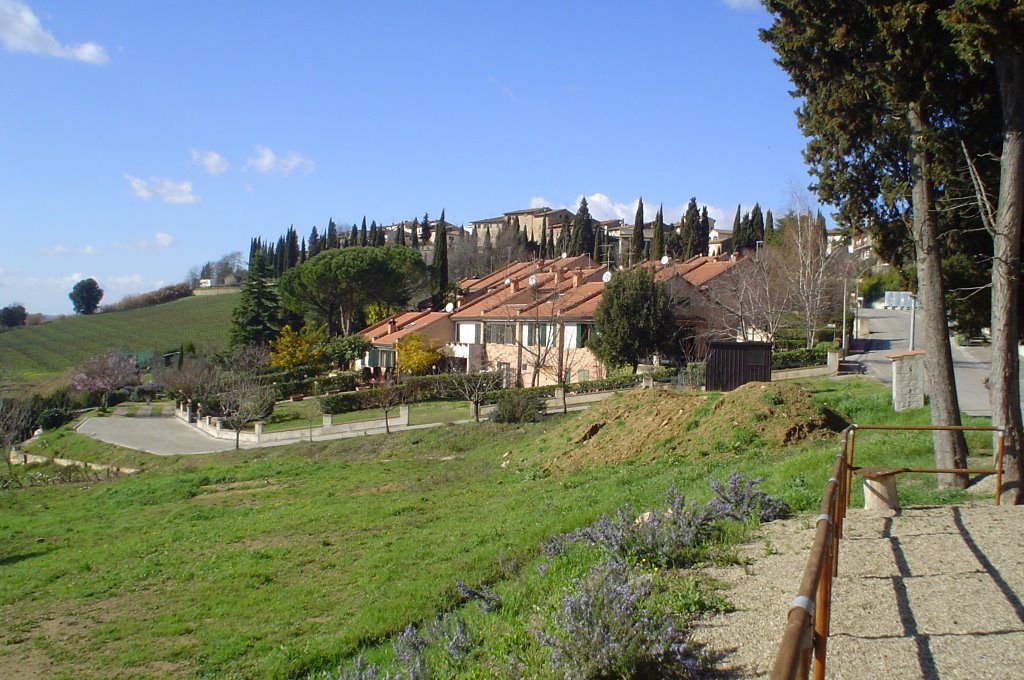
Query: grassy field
x,y
40,354
285,562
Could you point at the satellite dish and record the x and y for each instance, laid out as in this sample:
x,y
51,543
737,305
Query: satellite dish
x,y
508,281
606,277
449,307
565,255
664,259
532,280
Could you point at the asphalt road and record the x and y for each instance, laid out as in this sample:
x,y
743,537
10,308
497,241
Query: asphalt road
x,y
890,333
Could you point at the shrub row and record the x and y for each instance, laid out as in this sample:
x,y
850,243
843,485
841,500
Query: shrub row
x,y
155,297
798,358
347,401
345,382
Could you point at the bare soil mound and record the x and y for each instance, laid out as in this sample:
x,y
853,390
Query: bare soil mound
x,y
644,424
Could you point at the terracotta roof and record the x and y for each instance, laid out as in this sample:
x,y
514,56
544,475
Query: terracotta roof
x,y
397,326
561,277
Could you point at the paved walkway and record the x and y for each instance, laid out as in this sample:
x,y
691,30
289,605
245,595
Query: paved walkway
x,y
162,436
933,593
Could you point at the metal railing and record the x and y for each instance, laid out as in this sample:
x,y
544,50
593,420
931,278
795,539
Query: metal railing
x,y
802,650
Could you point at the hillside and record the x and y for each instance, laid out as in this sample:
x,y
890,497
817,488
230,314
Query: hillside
x,y
642,425
41,354
289,561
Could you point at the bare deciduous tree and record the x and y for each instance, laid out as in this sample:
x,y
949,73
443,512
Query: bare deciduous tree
x,y
808,269
386,398
244,396
14,422
472,387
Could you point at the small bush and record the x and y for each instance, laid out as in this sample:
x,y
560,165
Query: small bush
x,y
739,499
517,406
602,630
673,536
52,418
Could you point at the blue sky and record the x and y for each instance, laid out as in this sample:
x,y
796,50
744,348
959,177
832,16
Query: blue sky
x,y
140,139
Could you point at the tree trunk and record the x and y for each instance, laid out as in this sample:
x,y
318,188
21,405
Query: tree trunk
x,y
238,436
1004,385
950,446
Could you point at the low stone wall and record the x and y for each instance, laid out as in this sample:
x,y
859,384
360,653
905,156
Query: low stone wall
x,y
20,458
215,428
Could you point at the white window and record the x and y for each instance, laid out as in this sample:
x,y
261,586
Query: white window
x,y
469,333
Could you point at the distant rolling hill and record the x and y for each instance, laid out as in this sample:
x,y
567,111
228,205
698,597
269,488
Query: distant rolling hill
x,y
41,355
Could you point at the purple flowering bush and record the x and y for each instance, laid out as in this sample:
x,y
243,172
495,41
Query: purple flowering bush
x,y
679,533
740,499
601,629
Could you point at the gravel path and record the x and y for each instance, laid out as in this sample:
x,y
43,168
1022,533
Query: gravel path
x,y
935,592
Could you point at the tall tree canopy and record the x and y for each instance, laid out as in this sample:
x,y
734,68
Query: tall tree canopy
x,y
582,241
633,320
86,296
439,267
336,285
658,235
638,246
256,319
879,87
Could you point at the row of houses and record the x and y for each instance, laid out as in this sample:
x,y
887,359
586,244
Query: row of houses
x,y
530,320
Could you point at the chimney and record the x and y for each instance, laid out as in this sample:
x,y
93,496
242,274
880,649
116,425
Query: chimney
x,y
392,326
558,275
516,284
577,278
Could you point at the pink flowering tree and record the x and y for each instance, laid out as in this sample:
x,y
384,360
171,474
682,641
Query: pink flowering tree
x,y
105,373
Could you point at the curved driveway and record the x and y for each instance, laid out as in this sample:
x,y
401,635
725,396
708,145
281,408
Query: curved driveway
x,y
164,436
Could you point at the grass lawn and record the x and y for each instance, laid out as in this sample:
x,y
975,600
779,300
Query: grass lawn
x,y
283,562
298,415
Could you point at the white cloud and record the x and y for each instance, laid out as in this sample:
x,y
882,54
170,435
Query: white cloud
x,y
266,160
166,190
20,31
122,282
604,208
61,249
160,241
139,187
741,4
539,202
214,163
53,283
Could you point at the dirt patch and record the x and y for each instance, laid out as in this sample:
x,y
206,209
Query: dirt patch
x,y
380,488
641,425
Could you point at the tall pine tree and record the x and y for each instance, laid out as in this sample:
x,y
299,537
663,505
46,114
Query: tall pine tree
x,y
332,235
658,235
638,246
690,230
582,241
704,233
425,226
439,267
256,319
